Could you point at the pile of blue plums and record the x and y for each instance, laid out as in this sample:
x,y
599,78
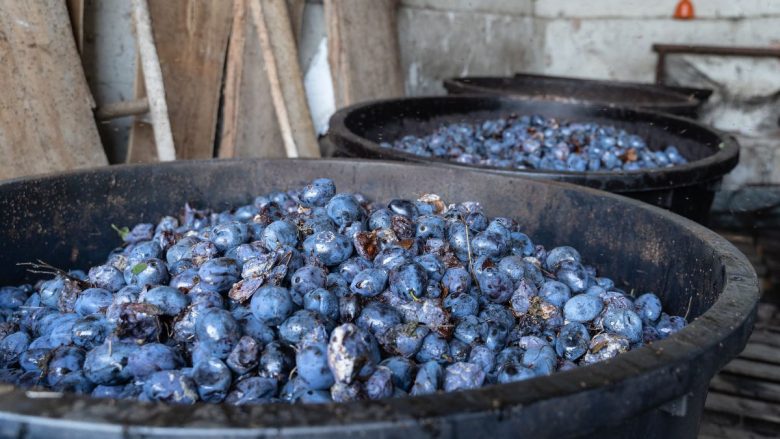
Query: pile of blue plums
x,y
536,142
313,296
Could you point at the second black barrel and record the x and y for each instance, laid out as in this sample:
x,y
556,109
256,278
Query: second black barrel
x,y
688,189
683,101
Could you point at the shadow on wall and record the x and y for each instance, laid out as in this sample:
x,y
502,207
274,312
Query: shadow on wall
x,y
746,104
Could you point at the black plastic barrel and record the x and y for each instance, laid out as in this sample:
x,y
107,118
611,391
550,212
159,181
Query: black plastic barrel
x,y
656,391
702,94
688,189
683,101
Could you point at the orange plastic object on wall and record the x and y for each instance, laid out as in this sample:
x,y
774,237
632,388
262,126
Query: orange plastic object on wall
x,y
684,10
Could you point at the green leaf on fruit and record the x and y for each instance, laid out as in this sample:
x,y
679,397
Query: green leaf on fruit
x,y
138,268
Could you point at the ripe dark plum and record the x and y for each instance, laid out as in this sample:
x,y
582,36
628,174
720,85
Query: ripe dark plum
x,y
151,358
218,331
272,305
304,324
170,301
323,302
462,375
537,142
245,356
369,282
314,296
344,209
319,192
212,378
313,369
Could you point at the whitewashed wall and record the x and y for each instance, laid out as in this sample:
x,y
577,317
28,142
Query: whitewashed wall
x,y
610,39
607,39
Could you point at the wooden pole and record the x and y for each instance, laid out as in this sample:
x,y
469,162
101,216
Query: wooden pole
x,y
363,50
153,81
281,58
233,69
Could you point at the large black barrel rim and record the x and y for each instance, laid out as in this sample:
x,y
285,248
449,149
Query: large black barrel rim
x,y
565,89
606,393
357,130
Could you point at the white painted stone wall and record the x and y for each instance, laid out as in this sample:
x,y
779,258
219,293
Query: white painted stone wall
x,y
436,45
610,39
607,39
745,104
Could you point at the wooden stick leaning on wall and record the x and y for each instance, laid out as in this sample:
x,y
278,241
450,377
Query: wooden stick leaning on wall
x,y
250,127
231,95
191,37
141,147
153,81
280,54
295,9
76,12
363,50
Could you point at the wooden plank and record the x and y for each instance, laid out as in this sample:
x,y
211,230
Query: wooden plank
x,y
140,144
743,407
76,13
46,121
759,352
234,65
363,50
249,124
122,109
284,76
153,80
191,38
754,369
767,338
746,387
771,327
295,8
709,430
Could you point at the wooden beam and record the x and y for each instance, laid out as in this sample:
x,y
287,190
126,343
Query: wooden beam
x,y
709,430
122,109
153,80
759,352
295,8
46,121
234,67
746,387
76,12
280,55
363,50
765,338
754,369
743,407
249,124
191,38
141,147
